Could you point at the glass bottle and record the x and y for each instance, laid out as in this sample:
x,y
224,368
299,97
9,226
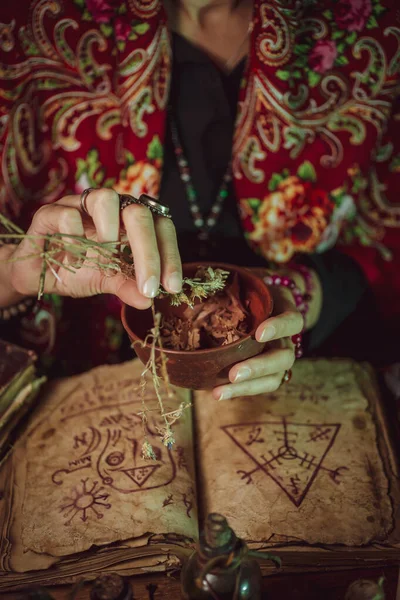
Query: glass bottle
x,y
219,569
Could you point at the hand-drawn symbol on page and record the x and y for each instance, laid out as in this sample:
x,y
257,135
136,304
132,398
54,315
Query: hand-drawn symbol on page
x,y
187,500
290,453
121,466
141,474
167,501
84,500
113,457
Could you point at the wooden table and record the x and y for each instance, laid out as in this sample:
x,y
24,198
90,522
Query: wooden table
x,y
329,585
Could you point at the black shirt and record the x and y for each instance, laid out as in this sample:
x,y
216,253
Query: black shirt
x,y
203,101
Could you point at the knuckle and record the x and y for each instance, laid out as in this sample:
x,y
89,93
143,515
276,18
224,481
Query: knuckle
x,y
40,210
63,212
105,195
43,214
69,214
102,200
106,285
68,217
51,215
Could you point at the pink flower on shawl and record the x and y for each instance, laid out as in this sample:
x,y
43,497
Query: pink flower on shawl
x,y
323,56
122,30
101,10
352,14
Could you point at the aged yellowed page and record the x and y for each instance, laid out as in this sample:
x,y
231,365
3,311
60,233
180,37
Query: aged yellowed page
x,y
300,465
86,483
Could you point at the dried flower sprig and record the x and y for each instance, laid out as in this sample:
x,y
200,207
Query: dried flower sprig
x,y
151,367
211,282
147,451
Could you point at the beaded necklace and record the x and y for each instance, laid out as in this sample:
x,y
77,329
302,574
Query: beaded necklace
x,y
203,223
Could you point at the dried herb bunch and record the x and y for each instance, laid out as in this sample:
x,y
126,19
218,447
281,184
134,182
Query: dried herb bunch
x,y
107,256
117,258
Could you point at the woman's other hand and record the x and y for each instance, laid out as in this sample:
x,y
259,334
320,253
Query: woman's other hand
x,y
265,372
152,240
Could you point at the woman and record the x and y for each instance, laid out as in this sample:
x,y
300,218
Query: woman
x,y
86,88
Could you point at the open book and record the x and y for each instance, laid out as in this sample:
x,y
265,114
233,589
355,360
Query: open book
x,y
308,472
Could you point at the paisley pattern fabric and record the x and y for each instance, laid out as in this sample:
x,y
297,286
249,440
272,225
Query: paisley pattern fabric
x,y
316,159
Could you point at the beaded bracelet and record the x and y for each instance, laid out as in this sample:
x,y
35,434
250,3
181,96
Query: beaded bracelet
x,y
301,300
306,274
16,310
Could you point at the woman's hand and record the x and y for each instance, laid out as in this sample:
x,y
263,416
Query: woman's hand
x,y
264,373
152,240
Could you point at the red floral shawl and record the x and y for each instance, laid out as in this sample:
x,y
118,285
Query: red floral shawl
x,y
316,160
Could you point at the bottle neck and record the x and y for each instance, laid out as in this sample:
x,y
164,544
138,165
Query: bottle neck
x,y
218,538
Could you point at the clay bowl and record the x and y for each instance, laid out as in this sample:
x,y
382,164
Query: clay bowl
x,y
204,369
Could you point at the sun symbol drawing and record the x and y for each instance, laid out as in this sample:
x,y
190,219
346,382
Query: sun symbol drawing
x,y
83,500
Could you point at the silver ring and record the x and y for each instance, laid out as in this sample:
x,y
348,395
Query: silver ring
x,y
156,207
84,196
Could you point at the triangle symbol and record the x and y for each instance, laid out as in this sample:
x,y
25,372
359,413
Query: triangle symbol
x,y
116,418
111,420
141,474
290,453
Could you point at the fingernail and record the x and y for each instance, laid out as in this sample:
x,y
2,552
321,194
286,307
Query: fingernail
x,y
150,288
268,333
242,374
225,395
175,282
